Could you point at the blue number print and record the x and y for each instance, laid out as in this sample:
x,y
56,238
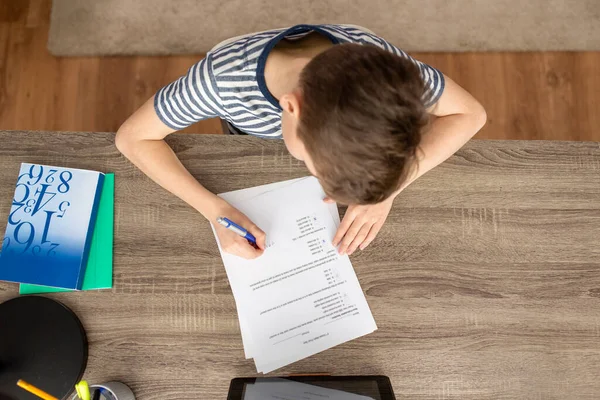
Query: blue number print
x,y
65,181
29,239
52,251
50,177
41,192
29,206
25,195
60,208
49,215
36,177
39,250
21,176
10,216
20,203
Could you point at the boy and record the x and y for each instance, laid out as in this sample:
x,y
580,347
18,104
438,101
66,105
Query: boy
x,y
350,105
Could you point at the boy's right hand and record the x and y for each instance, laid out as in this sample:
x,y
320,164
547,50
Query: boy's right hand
x,y
233,243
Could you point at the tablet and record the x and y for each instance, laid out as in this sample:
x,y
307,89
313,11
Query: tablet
x,y
312,388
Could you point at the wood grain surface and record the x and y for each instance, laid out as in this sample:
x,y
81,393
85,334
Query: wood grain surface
x,y
484,282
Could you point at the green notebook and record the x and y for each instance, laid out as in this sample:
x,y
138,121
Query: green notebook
x,y
99,269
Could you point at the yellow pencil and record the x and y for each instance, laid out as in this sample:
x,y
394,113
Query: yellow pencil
x,y
33,390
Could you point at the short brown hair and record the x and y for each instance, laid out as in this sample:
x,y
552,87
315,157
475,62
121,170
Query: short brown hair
x,y
361,120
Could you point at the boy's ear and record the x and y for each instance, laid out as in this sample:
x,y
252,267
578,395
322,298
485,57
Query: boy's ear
x,y
290,103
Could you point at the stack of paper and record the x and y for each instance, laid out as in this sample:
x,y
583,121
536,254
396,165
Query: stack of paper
x,y
300,297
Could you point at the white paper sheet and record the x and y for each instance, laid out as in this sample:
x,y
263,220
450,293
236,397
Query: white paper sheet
x,y
300,297
240,196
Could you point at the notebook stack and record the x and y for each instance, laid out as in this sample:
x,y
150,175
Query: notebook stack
x,y
59,235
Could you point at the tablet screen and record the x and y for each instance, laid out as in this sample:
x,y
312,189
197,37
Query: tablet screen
x,y
312,388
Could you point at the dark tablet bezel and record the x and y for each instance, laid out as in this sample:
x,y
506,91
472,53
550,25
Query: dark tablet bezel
x,y
383,383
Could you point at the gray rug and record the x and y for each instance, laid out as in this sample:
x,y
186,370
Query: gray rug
x,y
128,27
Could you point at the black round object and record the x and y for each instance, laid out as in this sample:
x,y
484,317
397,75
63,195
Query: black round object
x,y
43,343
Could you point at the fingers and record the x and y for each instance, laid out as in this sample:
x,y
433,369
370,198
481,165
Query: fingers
x,y
239,246
372,234
350,236
343,228
259,235
242,248
360,237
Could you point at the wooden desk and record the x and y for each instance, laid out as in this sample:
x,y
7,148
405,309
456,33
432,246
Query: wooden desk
x,y
484,282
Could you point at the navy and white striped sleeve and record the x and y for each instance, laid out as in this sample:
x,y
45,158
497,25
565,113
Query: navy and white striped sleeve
x,y
433,79
189,99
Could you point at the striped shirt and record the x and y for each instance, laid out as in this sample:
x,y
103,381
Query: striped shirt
x,y
229,82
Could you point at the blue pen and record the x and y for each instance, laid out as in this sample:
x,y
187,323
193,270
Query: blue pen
x,y
232,226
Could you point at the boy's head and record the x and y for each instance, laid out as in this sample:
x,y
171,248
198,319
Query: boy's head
x,y
356,119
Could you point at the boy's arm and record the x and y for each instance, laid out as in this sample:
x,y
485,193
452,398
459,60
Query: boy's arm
x,y
459,118
141,140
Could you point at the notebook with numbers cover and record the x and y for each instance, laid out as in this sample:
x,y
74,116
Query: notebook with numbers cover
x,y
50,226
99,268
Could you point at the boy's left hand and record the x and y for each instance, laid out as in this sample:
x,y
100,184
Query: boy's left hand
x,y
360,225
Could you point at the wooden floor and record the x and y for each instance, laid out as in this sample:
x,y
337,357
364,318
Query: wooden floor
x,y
527,95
